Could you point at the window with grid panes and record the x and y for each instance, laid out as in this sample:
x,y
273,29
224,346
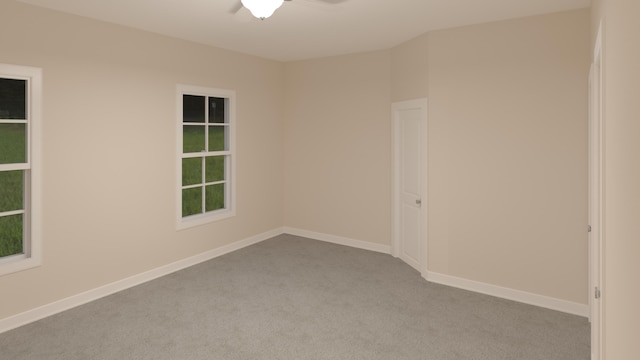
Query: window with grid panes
x,y
20,93
206,155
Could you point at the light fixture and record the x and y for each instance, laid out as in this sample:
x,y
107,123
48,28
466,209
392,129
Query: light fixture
x,y
262,9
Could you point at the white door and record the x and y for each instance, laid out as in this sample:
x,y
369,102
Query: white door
x,y
409,125
595,201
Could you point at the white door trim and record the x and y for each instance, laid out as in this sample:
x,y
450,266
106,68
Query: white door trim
x,y
396,107
596,196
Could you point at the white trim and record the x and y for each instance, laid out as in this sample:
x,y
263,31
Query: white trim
x,y
597,49
359,244
596,198
229,154
510,294
422,105
10,213
41,312
12,121
32,235
15,166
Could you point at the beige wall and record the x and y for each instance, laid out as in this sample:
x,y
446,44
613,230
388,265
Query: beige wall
x,y
507,148
507,161
621,287
109,149
337,146
508,153
409,71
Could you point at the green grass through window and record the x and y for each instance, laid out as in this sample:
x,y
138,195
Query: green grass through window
x,y
12,151
10,235
193,138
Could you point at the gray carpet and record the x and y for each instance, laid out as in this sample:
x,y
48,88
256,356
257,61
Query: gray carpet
x,y
295,298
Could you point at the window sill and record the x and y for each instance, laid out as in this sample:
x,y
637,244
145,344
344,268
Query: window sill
x,y
202,219
16,263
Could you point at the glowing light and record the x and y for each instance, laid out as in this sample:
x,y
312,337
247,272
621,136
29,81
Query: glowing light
x,y
262,9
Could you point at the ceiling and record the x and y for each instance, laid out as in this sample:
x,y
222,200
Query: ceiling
x,y
303,29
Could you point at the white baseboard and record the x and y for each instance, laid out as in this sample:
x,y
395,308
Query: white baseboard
x,y
365,245
510,294
466,284
41,312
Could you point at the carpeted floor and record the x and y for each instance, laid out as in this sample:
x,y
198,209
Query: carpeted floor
x,y
295,298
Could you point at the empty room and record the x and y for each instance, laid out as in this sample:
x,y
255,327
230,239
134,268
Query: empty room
x,y
322,179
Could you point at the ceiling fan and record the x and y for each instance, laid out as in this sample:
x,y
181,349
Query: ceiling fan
x,y
262,9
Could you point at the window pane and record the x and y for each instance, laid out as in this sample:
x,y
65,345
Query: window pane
x,y
193,139
215,197
191,201
13,99
13,143
193,108
192,171
217,138
11,190
214,168
11,235
217,110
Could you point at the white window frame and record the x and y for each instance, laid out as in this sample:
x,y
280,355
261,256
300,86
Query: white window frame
x,y
230,157
32,212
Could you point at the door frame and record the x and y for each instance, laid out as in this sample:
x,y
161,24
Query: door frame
x,y
396,108
596,199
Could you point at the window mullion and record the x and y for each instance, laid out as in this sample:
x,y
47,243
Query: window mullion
x,y
206,123
26,205
204,188
192,186
13,167
12,212
13,121
215,182
205,154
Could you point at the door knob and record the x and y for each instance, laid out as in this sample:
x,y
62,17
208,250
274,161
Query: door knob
x,y
418,201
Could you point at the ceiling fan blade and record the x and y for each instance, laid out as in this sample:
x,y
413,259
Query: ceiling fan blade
x,y
236,7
